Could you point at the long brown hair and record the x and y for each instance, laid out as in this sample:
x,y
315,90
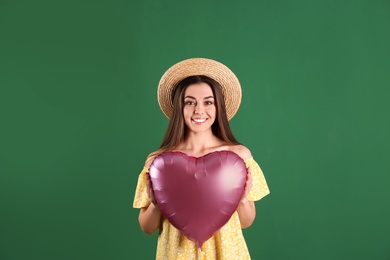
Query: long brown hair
x,y
177,130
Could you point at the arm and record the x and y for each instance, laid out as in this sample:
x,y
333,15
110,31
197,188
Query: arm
x,y
246,209
149,218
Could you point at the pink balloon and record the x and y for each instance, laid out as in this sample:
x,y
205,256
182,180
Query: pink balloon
x,y
198,195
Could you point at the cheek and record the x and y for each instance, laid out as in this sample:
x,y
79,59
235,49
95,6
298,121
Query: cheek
x,y
186,112
213,110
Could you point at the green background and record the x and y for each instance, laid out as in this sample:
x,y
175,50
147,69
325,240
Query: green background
x,y
79,115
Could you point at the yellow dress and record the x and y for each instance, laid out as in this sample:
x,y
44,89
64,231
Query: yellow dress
x,y
227,243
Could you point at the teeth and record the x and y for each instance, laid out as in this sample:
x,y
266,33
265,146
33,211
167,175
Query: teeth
x,y
199,120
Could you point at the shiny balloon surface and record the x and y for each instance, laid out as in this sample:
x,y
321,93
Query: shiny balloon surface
x,y
198,195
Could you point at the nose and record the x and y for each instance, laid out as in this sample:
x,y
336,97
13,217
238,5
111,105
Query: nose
x,y
198,109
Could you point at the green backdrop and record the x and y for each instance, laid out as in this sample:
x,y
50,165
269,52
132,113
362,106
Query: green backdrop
x,y
79,115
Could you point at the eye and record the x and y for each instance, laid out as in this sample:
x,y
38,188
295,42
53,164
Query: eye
x,y
189,102
208,103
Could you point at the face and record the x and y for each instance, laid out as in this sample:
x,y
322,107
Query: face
x,y
199,109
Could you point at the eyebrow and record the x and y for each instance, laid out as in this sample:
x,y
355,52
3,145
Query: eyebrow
x,y
195,98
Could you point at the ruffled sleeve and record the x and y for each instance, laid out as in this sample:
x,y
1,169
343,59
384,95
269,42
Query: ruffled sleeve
x,y
260,187
141,197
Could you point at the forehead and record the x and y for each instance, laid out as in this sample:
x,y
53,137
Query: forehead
x,y
199,90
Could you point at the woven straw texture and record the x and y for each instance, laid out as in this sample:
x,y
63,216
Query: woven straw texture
x,y
231,88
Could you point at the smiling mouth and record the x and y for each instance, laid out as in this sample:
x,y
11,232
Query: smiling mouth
x,y
199,120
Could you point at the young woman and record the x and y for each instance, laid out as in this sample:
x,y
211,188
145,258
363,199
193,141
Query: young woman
x,y
199,96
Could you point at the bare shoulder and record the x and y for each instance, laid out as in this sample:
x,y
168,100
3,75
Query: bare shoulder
x,y
151,157
241,150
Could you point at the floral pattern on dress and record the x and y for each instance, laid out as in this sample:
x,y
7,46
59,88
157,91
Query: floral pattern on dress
x,y
227,243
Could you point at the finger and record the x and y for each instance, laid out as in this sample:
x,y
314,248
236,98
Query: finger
x,y
147,177
152,198
250,181
249,176
148,185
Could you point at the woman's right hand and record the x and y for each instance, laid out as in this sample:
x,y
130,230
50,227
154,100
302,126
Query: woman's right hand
x,y
149,190
150,216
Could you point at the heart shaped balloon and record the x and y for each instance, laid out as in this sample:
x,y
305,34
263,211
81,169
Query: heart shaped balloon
x,y
198,195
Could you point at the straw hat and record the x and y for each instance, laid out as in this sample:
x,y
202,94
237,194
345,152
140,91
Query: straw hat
x,y
231,88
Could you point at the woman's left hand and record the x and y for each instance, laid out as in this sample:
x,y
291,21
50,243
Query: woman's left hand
x,y
248,184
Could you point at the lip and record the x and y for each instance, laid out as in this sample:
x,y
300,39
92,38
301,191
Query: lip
x,y
199,121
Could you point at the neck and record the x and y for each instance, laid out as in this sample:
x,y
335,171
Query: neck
x,y
200,143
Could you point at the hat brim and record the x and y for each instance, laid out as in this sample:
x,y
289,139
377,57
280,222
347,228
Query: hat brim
x,y
231,88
